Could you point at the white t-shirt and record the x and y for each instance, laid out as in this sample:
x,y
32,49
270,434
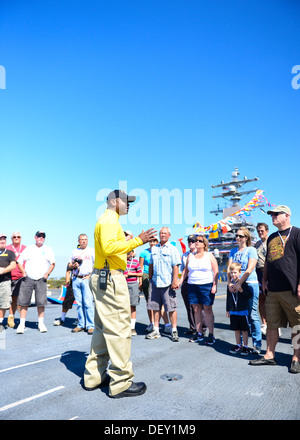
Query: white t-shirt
x,y
87,256
37,260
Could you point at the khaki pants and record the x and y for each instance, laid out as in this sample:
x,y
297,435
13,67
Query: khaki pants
x,y
112,335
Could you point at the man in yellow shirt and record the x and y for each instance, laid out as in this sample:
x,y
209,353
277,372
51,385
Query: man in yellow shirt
x,y
112,333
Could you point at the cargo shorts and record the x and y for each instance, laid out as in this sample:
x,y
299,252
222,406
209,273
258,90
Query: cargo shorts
x,y
162,296
5,294
282,308
27,287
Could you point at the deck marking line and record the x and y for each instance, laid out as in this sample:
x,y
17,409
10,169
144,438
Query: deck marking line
x,y
20,402
34,362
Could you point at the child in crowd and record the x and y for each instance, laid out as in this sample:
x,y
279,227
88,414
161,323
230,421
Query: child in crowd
x,y
237,310
132,274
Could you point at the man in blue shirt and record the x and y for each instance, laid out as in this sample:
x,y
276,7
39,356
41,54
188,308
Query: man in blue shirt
x,y
163,275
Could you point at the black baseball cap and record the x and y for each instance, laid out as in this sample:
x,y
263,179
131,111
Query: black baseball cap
x,y
40,234
119,194
191,238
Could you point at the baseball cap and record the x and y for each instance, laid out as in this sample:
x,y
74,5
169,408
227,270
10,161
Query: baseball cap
x,y
280,208
40,234
3,236
191,238
119,194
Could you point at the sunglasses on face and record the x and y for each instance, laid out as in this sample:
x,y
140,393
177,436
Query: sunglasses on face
x,y
200,241
275,214
17,236
240,236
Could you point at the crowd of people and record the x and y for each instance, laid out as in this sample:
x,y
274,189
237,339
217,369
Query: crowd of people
x,y
263,289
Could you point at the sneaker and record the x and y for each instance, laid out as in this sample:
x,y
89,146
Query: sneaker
x,y
236,349
133,332
21,329
168,329
245,351
149,328
194,338
264,329
198,337
42,328
256,350
153,335
59,322
175,337
10,321
210,340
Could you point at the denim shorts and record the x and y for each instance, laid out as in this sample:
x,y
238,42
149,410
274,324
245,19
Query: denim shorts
x,y
201,294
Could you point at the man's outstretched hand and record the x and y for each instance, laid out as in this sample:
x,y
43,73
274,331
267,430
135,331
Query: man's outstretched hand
x,y
148,235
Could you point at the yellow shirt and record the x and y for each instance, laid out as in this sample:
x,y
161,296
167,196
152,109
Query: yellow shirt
x,y
110,243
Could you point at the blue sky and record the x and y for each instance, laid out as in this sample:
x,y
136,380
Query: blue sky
x,y
158,94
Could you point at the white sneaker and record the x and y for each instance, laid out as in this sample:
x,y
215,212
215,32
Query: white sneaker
x,y
42,328
153,335
21,329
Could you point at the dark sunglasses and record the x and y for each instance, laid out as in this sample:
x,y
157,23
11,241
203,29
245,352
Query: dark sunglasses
x,y
240,236
200,241
275,214
17,236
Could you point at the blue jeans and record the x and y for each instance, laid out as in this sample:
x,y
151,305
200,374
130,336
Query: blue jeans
x,y
85,304
253,315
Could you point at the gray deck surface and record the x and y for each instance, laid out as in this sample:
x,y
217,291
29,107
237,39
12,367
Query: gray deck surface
x,y
41,375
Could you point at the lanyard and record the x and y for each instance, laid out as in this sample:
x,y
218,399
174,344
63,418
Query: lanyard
x,y
284,242
129,268
16,252
235,299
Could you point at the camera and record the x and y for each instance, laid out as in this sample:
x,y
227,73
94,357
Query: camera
x,y
77,260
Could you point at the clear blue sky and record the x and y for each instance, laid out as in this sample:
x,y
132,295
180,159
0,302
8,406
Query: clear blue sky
x,y
167,94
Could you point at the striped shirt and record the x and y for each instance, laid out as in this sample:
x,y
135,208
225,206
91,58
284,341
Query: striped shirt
x,y
132,266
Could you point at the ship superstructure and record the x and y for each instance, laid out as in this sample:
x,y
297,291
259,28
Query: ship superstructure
x,y
232,193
